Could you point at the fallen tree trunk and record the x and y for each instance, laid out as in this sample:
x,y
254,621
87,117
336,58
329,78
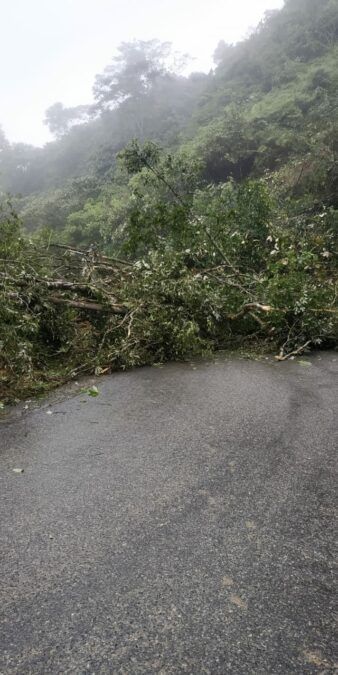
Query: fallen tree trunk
x,y
87,305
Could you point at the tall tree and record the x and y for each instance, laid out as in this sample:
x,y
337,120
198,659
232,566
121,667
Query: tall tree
x,y
133,72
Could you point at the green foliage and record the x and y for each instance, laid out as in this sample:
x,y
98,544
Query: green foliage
x,y
18,328
227,146
251,271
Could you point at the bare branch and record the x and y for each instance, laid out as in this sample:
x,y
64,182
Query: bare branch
x,y
296,352
86,305
250,307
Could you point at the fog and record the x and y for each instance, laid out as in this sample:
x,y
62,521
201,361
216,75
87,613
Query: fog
x,y
51,51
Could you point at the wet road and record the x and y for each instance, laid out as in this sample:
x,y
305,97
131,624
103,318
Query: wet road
x,y
180,522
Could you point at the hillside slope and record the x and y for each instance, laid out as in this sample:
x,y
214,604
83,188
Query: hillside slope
x,y
271,102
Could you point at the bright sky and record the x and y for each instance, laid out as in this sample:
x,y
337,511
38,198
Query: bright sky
x,y
50,50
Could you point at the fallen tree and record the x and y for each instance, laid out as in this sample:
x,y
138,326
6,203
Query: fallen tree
x,y
245,279
156,310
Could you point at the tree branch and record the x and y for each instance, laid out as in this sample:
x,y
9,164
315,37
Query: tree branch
x,y
86,305
248,308
296,352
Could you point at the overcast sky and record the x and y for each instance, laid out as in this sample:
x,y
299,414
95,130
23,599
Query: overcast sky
x,y
50,50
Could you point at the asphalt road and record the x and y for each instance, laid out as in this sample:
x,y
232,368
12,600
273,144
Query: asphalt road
x,y
179,522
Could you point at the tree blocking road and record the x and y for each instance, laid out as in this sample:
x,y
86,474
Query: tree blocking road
x,y
179,522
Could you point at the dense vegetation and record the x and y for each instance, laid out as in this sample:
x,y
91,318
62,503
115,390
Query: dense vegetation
x,y
218,227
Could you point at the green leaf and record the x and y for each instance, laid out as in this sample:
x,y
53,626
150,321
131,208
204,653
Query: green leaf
x,y
93,391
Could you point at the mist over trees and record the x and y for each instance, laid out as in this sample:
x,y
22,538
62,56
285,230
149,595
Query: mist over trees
x,y
219,191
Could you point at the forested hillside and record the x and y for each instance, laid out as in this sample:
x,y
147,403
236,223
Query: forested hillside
x,y
219,193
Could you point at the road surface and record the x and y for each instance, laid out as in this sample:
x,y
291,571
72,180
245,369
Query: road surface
x,y
180,522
